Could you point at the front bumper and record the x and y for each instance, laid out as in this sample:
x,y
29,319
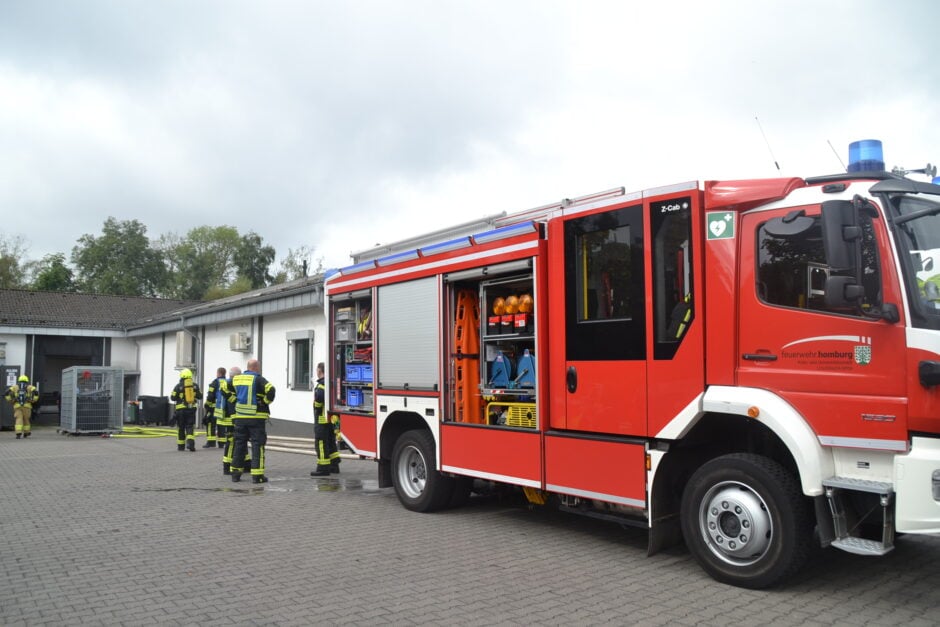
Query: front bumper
x,y
915,477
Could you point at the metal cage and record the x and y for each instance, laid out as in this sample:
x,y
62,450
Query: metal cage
x,y
92,399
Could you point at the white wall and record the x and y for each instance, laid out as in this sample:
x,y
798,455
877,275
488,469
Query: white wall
x,y
217,351
123,353
292,405
151,356
16,351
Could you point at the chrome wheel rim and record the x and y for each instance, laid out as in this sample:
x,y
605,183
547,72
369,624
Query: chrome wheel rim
x,y
412,472
735,523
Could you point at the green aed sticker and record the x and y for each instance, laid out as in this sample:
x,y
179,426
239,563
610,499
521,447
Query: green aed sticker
x,y
720,225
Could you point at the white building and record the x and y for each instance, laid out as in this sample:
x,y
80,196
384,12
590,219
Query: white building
x,y
151,340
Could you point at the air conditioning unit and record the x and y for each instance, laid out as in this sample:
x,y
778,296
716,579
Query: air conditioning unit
x,y
239,342
185,350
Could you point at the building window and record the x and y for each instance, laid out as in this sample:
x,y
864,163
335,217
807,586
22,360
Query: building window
x,y
300,360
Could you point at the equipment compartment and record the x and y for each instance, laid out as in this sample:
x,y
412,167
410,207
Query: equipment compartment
x,y
352,355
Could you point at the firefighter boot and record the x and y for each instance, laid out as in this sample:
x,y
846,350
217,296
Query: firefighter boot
x,y
236,476
321,471
209,445
259,479
26,434
226,468
19,435
191,446
334,468
180,447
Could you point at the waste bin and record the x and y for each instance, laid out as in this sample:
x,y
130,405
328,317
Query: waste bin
x,y
131,413
154,409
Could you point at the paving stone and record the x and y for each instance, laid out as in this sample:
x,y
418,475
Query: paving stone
x,y
127,531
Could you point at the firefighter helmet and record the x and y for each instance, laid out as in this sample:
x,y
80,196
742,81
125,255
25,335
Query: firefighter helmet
x,y
525,303
499,306
186,374
512,304
23,379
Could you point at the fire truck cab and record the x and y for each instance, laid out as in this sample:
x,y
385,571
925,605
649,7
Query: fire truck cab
x,y
735,363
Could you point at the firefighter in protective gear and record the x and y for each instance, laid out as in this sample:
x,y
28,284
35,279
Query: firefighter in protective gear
x,y
225,426
252,396
186,396
23,397
215,409
324,431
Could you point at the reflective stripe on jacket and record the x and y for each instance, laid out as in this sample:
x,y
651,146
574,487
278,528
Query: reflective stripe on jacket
x,y
178,396
252,395
319,402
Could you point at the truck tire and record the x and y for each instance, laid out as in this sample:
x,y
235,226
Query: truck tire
x,y
746,521
419,486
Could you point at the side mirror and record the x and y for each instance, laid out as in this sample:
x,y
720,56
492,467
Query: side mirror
x,y
841,235
843,292
931,291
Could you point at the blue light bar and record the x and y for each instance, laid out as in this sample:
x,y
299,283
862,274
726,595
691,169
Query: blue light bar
x,y
866,155
397,258
505,232
359,267
445,247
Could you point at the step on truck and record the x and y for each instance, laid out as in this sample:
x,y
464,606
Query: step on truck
x,y
751,366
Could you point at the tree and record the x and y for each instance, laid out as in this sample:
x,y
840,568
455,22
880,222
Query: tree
x,y
298,264
121,261
12,264
52,275
238,286
202,262
253,259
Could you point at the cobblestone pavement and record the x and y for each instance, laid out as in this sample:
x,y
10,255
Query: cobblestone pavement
x,y
130,531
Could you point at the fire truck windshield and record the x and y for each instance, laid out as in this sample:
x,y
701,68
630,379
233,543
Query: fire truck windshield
x,y
917,220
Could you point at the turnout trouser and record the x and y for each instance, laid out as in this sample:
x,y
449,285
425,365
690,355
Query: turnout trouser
x,y
211,430
327,455
21,416
185,424
249,429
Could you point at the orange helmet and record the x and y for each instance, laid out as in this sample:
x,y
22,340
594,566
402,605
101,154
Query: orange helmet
x,y
512,304
499,306
525,303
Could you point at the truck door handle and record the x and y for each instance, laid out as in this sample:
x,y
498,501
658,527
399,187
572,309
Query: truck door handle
x,y
571,378
759,357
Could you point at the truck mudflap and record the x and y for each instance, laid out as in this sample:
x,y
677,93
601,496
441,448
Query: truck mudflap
x,y
917,487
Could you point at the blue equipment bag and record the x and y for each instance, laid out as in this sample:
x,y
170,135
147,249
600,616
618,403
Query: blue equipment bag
x,y
525,368
500,371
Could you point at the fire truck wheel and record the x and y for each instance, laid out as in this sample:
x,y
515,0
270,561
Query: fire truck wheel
x,y
746,521
418,485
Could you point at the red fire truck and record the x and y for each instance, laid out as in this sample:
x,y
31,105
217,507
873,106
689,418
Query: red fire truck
x,y
751,366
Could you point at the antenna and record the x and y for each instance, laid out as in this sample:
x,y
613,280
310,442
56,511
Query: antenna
x,y
836,153
769,149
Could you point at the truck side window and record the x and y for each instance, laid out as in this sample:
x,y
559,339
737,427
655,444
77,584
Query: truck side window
x,y
671,222
792,271
604,286
603,279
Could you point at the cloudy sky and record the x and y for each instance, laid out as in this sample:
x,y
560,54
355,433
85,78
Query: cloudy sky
x,y
343,124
